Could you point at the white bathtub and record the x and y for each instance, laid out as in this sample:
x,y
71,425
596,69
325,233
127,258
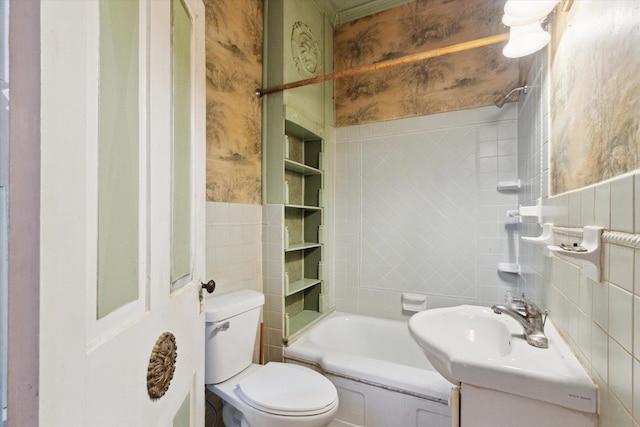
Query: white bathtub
x,y
382,376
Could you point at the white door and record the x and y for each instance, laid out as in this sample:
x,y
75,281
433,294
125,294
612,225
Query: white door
x,y
122,212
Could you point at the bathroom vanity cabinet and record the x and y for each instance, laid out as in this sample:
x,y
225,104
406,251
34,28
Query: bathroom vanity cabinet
x,y
483,407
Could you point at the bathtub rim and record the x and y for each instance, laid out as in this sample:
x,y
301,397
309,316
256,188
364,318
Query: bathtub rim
x,y
331,362
323,371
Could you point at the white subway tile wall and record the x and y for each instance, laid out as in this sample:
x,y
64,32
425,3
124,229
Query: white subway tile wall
x,y
234,248
273,270
600,320
417,209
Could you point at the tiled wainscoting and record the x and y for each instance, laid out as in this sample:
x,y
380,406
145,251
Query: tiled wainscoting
x,y
600,319
234,246
273,270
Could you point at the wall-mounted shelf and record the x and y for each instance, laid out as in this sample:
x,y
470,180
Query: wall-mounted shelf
x,y
509,185
526,211
588,252
507,267
545,239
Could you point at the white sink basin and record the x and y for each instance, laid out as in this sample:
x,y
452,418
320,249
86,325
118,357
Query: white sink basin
x,y
473,345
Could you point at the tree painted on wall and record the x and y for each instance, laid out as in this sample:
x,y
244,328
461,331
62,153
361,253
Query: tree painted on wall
x,y
452,82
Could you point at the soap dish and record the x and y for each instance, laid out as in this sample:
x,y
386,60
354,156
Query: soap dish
x,y
414,302
507,267
588,252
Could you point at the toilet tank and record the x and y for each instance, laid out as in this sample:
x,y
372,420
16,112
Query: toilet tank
x,y
230,333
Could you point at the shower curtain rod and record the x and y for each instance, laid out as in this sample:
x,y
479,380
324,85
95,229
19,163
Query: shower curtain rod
x,y
408,59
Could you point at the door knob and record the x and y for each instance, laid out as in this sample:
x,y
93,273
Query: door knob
x,y
210,286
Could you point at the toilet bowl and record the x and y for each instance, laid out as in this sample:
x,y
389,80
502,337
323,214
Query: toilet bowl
x,y
271,395
277,395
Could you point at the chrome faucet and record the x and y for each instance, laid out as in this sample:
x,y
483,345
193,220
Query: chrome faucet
x,y
530,319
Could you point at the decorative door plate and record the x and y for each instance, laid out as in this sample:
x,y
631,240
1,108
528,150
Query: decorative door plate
x,y
162,365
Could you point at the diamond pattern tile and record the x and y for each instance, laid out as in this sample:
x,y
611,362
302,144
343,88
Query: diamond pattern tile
x,y
416,210
419,197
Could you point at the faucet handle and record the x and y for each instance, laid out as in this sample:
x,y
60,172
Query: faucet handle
x,y
535,315
533,311
515,302
518,302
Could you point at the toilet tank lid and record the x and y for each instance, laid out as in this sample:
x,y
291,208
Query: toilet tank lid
x,y
221,307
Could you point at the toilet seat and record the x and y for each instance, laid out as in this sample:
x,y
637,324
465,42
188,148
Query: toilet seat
x,y
287,389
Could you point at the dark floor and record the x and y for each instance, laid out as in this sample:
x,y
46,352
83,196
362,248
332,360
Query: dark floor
x,y
209,416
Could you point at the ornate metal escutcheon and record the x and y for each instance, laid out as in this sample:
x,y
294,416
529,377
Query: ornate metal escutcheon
x,y
162,365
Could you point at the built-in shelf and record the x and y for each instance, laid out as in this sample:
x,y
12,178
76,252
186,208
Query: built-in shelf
x,y
299,323
300,168
308,208
302,246
296,180
294,157
300,285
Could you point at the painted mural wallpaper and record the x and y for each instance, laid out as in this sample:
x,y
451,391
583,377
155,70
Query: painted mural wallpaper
x,y
469,79
595,95
234,71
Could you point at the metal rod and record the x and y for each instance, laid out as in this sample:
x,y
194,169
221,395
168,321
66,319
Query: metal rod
x,y
408,59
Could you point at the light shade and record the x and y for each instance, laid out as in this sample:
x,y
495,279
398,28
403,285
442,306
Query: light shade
x,y
521,12
525,40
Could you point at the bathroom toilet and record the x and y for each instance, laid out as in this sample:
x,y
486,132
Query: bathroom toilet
x,y
271,395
